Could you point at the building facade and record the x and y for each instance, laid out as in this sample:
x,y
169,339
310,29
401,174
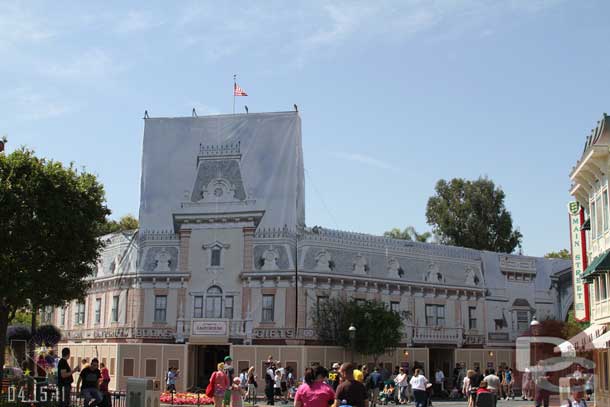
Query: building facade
x,y
223,263
590,190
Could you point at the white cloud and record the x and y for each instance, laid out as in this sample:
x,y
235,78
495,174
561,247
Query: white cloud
x,y
135,21
364,159
32,105
92,64
18,26
299,32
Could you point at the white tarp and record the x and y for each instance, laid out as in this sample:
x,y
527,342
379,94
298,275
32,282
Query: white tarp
x,y
271,164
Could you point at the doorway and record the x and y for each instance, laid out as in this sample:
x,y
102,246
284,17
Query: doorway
x,y
207,358
441,358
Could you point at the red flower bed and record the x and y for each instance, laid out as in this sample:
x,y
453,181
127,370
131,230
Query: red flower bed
x,y
185,398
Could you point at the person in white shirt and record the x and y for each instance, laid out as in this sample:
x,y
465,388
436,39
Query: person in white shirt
x,y
439,379
577,399
402,382
419,384
493,381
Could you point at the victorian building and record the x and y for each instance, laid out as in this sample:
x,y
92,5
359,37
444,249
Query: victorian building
x,y
224,263
589,215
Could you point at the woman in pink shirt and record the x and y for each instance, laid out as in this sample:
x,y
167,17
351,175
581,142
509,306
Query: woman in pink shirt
x,y
314,392
220,382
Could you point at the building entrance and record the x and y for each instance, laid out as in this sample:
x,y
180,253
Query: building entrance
x,y
442,358
207,358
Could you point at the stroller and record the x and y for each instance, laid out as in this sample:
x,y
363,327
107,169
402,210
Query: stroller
x,y
388,394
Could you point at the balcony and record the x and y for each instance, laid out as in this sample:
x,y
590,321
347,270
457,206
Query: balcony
x,y
440,335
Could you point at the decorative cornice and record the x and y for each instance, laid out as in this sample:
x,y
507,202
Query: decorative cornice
x,y
381,242
168,235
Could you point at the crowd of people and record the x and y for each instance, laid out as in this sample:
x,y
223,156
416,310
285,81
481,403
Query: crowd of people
x,y
53,376
361,386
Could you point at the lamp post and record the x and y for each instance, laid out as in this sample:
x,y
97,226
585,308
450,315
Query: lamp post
x,y
352,337
534,325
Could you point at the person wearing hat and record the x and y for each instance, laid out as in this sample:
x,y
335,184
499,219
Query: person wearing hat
x,y
229,371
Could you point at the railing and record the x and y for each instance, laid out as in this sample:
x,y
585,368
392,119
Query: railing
x,y
435,335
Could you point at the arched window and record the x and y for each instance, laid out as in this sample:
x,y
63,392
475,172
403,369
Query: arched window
x,y
213,302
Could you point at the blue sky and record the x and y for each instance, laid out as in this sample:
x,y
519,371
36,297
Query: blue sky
x,y
393,95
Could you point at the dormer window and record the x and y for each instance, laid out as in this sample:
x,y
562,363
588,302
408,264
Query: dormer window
x,y
215,257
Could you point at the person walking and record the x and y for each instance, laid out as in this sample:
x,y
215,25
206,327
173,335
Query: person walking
x,y
64,378
269,382
493,382
90,379
374,384
527,385
172,375
104,382
230,372
351,391
237,393
402,382
543,393
419,384
439,380
252,385
314,392
467,389
220,384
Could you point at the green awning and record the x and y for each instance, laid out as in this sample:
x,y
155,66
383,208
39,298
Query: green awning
x,y
586,225
599,264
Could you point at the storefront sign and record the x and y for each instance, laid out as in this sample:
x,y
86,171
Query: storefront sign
x,y
579,261
215,328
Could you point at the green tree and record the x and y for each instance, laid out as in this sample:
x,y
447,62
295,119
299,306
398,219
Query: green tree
x,y
378,328
561,254
573,327
50,215
409,233
127,222
472,214
22,317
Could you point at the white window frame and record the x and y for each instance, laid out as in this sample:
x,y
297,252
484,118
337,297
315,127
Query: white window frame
x,y
79,314
160,310
437,319
268,312
114,312
229,307
97,319
472,317
213,305
198,306
525,327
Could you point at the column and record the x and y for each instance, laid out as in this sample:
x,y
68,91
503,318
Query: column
x,y
185,241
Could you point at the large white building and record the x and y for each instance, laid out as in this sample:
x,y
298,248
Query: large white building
x,y
223,263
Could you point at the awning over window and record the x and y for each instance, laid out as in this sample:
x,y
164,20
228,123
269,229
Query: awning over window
x,y
599,264
586,225
583,340
603,342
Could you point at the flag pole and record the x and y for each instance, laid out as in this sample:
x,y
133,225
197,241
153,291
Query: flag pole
x,y
234,83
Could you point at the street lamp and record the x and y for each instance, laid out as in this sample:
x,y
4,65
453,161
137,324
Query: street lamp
x,y
352,337
535,325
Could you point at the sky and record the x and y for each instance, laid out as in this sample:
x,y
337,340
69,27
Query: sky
x,y
393,95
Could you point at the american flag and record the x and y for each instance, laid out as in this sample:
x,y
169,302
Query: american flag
x,y
237,91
